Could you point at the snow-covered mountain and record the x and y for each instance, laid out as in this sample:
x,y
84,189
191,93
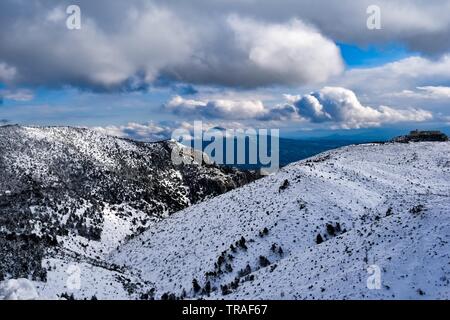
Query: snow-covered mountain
x,y
363,221
319,228
73,195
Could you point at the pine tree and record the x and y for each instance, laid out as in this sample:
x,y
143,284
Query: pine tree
x,y
319,239
242,244
273,248
195,286
208,287
225,290
280,251
330,229
263,261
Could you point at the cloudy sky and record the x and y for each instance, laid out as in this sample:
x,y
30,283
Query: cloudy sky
x,y
142,68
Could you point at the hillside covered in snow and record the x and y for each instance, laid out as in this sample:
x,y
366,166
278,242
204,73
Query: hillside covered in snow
x,y
86,215
72,195
318,229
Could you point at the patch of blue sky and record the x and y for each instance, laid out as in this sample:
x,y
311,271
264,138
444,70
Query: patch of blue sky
x,y
70,106
373,55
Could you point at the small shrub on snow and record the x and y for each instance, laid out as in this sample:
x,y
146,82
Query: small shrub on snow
x,y
196,286
319,239
263,261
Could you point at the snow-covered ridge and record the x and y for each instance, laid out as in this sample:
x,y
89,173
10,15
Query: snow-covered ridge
x,y
312,231
74,195
75,204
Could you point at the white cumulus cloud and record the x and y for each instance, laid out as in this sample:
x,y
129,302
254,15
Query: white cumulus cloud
x,y
293,52
436,91
334,105
159,131
150,131
342,108
217,109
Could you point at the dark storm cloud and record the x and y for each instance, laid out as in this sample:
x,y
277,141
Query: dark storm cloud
x,y
129,45
423,26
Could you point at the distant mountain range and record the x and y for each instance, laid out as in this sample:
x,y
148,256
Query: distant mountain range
x,y
290,150
364,134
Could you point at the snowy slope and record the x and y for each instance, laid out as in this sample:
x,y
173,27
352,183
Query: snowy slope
x,y
72,195
380,205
